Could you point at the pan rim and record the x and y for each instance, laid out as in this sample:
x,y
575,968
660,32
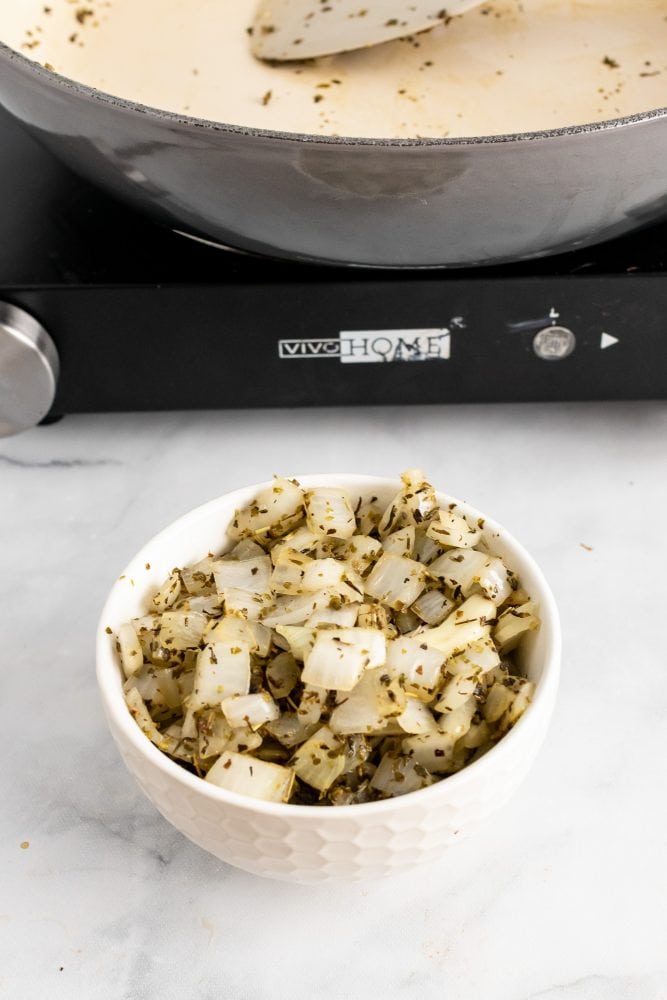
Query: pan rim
x,y
84,90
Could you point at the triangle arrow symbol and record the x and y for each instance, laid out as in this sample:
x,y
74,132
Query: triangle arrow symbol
x,y
606,340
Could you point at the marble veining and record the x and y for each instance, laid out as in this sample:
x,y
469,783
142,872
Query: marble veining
x,y
562,897
56,463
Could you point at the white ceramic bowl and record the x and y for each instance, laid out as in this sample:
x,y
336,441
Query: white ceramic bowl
x,y
304,843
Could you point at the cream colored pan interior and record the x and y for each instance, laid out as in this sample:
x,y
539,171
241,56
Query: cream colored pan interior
x,y
508,66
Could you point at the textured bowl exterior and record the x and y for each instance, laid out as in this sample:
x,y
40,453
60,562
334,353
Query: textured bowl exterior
x,y
383,203
308,844
323,845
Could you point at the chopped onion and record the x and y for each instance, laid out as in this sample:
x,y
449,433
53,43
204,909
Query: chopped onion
x,y
397,775
209,604
253,710
143,719
243,603
345,616
181,748
498,700
478,735
456,692
238,631
320,760
181,630
169,695
434,751
244,740
451,530
198,579
252,575
289,568
298,574
425,548
301,540
459,569
406,621
416,718
369,515
518,595
245,549
363,639
411,505
340,656
366,709
396,581
467,571
523,695
262,638
313,700
376,616
495,580
296,610
335,575
357,751
329,512
168,593
457,722
129,647
214,733
359,552
400,542
416,665
300,639
249,776
147,623
433,606
157,687
478,658
222,671
290,729
469,623
275,510
282,674
512,625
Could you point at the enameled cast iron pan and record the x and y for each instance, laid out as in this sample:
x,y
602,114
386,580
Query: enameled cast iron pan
x,y
379,202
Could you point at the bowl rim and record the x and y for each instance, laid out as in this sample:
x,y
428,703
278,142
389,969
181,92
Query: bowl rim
x,y
96,95
107,668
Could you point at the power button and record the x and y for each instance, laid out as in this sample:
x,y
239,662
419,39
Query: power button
x,y
554,343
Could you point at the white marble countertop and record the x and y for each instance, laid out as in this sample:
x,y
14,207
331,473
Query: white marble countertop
x,y
561,897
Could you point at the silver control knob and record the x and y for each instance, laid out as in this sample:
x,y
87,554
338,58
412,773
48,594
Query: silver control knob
x,y
554,343
29,370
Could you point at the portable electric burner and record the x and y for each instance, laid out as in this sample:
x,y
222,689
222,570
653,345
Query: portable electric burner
x,y
102,310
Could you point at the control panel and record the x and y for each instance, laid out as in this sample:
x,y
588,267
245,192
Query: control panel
x,y
334,339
